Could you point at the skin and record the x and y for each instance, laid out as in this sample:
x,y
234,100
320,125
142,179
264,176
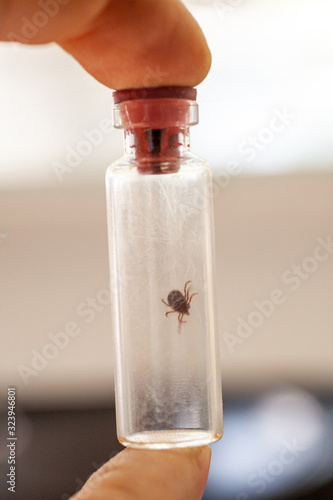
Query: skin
x,y
126,44
122,43
150,475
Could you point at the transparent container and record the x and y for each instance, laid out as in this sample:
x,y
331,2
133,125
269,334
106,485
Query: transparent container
x,y
160,226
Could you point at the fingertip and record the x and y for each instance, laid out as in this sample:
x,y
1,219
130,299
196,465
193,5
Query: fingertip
x,y
179,474
152,44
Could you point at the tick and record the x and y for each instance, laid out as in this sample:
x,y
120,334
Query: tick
x,y
179,303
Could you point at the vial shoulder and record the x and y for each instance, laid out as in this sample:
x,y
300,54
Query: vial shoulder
x,y
120,167
187,162
192,160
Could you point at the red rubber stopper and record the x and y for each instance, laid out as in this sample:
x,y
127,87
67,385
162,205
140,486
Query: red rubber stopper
x,y
188,93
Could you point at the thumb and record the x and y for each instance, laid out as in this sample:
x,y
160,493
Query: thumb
x,y
133,474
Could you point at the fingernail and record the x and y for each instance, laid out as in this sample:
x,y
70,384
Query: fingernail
x,y
203,456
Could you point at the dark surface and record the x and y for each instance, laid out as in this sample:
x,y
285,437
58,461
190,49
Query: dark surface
x,y
59,450
65,448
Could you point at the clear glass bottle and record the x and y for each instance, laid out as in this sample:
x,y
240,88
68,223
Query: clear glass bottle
x,y
161,240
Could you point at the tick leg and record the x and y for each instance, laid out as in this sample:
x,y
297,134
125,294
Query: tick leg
x,y
188,293
180,321
180,318
165,303
189,302
185,291
170,312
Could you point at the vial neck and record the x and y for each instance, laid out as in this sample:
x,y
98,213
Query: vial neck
x,y
157,150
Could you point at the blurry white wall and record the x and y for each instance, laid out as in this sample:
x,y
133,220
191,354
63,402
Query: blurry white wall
x,y
267,57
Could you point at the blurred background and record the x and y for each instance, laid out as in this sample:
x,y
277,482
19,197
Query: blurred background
x,y
266,120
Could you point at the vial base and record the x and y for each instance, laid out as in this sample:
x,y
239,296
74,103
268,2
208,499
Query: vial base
x,y
165,439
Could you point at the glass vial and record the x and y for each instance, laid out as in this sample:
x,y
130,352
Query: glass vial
x,y
161,240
